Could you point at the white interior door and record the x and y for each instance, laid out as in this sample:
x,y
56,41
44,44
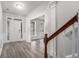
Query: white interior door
x,y
14,30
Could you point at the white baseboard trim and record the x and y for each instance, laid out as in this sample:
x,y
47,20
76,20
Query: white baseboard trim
x,y
70,56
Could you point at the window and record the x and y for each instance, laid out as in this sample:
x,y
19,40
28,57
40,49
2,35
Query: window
x,y
33,28
42,26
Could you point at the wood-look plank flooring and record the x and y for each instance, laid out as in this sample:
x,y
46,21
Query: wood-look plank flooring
x,y
20,49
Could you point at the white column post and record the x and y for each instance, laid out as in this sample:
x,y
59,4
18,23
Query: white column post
x,y
64,52
73,41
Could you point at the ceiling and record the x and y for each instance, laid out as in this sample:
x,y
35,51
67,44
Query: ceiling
x,y
8,6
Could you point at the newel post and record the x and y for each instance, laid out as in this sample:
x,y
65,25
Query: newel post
x,y
45,43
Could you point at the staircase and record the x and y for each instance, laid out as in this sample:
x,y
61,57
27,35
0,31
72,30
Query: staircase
x,y
71,22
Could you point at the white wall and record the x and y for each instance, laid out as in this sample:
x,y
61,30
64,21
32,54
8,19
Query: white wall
x,y
65,11
5,15
1,29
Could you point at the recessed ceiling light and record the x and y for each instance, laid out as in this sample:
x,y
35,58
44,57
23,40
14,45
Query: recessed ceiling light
x,y
19,5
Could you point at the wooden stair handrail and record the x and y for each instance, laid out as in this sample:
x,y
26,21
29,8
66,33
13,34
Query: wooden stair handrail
x,y
65,26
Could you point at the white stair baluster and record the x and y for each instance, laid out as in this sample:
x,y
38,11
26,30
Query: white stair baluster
x,y
73,38
78,36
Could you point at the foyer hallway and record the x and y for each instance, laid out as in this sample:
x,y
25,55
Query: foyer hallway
x,y
39,29
20,49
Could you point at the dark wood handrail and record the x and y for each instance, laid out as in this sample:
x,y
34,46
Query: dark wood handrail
x,y
65,26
